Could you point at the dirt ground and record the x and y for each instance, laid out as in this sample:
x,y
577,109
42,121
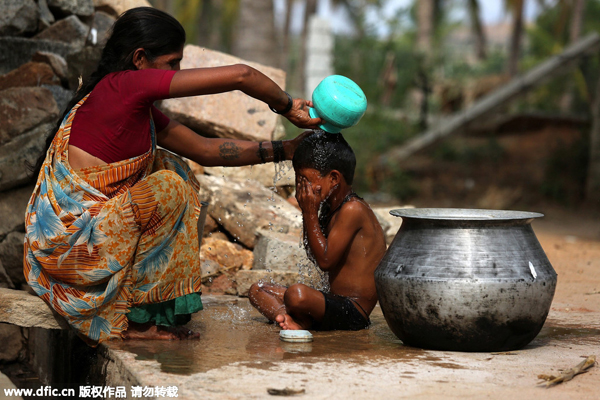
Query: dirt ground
x,y
571,240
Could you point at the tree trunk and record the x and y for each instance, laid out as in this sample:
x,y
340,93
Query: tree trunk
x,y
256,38
593,175
425,24
515,40
476,25
576,20
209,25
309,10
285,45
578,7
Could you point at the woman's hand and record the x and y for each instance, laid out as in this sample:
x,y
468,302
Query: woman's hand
x,y
300,117
290,146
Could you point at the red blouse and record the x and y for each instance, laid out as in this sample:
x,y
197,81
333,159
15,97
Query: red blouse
x,y
114,122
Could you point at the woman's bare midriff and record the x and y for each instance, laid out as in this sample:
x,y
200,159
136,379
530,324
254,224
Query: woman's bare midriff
x,y
82,159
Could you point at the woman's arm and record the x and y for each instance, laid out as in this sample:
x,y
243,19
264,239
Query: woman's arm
x,y
202,81
221,152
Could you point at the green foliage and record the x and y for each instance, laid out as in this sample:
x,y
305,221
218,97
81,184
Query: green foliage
x,y
374,134
363,61
548,36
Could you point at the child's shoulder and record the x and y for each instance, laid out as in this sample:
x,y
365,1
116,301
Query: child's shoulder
x,y
357,206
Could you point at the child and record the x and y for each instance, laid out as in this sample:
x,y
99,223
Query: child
x,y
344,238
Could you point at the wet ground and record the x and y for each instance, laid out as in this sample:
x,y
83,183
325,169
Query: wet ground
x,y
240,356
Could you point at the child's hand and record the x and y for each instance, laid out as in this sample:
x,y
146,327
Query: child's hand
x,y
308,197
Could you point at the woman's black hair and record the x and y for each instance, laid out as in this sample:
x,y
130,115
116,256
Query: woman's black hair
x,y
326,152
157,32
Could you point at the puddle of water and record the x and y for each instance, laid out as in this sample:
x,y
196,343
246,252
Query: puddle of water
x,y
237,333
551,332
231,333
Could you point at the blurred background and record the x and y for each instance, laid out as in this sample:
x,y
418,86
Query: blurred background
x,y
506,90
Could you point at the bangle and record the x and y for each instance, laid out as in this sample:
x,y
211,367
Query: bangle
x,y
262,153
287,108
278,152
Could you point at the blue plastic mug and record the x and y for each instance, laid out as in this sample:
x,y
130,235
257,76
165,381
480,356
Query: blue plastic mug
x,y
339,101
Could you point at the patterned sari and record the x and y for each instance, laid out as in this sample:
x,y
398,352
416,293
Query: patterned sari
x,y
101,240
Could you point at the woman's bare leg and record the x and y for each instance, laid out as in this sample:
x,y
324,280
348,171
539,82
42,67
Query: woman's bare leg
x,y
149,331
267,298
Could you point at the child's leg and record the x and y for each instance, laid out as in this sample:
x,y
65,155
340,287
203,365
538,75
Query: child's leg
x,y
267,298
304,306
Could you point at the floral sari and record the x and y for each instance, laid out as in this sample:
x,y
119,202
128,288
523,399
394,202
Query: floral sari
x,y
101,240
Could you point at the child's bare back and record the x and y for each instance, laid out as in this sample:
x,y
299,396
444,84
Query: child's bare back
x,y
343,236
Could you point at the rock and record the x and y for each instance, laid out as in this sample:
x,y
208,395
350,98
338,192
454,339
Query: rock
x,y
20,308
6,383
68,7
24,108
217,235
279,251
244,207
18,17
15,51
61,95
82,63
209,268
222,284
68,30
12,343
276,251
269,175
100,26
5,281
46,16
245,279
118,7
12,210
57,62
227,255
210,225
11,255
29,74
16,154
228,115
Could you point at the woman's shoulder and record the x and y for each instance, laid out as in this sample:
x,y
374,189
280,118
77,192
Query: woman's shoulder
x,y
151,83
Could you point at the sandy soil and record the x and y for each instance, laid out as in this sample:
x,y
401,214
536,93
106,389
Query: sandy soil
x,y
571,240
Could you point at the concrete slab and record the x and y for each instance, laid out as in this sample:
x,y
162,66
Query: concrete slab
x,y
5,383
20,308
239,355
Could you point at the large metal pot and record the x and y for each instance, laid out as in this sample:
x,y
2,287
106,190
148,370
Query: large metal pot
x,y
465,280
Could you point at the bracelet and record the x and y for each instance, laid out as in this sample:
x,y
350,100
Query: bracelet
x,y
278,152
287,108
262,153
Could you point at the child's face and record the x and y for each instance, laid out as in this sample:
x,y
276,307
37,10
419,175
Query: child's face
x,y
321,185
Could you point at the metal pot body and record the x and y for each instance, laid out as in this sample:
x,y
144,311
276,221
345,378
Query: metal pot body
x,y
465,280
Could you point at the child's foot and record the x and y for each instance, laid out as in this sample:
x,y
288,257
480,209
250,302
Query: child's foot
x,y
287,323
153,332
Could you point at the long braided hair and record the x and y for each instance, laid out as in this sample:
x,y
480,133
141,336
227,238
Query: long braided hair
x,y
155,31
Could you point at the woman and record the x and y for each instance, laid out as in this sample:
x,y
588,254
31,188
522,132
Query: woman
x,y
111,240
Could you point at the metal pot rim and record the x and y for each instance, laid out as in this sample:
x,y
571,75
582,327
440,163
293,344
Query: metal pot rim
x,y
463,214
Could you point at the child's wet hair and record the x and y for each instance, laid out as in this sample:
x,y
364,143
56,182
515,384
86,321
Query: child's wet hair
x,y
326,152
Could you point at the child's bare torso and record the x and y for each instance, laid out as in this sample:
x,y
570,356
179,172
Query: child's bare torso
x,y
354,276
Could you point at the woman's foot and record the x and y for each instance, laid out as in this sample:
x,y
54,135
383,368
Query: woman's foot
x,y
287,323
150,331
